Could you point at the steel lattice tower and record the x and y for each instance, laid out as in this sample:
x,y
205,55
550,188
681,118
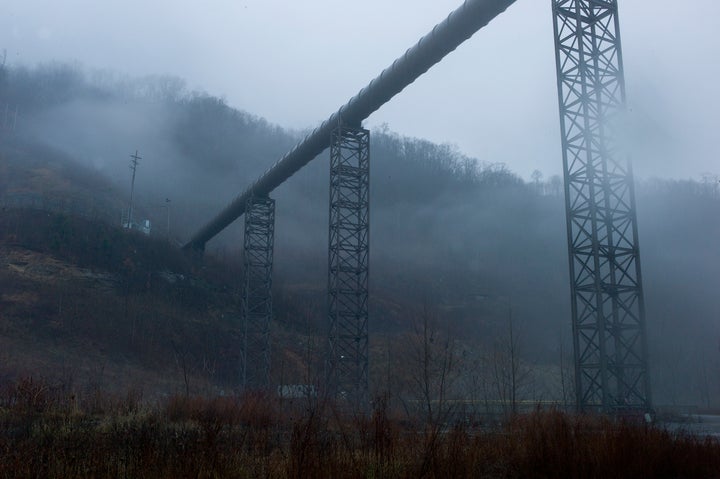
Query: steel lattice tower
x,y
348,265
608,314
257,291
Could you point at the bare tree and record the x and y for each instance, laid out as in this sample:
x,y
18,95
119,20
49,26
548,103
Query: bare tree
x,y
433,367
438,366
536,179
183,358
565,383
509,375
555,185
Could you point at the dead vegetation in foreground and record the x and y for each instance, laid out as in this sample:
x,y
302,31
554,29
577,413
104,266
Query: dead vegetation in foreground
x,y
48,432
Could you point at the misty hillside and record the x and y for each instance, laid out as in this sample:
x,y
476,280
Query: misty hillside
x,y
463,237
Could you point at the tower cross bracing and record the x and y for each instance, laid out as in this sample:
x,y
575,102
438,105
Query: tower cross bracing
x,y
257,308
608,313
348,265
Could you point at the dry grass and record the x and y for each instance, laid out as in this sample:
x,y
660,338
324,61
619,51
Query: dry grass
x,y
49,432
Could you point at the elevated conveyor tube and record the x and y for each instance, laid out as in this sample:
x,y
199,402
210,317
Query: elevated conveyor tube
x,y
460,25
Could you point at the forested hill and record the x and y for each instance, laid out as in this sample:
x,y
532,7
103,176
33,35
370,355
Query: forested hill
x,y
466,237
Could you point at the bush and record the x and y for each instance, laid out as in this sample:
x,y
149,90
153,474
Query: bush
x,y
47,433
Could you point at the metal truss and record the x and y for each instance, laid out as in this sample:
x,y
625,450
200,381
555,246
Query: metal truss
x,y
611,368
347,361
257,291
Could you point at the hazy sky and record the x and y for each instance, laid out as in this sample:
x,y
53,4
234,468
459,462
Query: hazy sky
x,y
295,62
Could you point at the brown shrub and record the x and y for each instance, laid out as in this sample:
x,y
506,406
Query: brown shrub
x,y
47,433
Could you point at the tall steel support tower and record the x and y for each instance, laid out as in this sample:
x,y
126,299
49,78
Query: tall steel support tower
x,y
347,360
257,291
608,313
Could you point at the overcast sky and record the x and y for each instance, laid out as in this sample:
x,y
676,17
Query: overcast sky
x,y
295,62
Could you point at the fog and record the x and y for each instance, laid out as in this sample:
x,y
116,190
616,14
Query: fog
x,y
295,63
210,105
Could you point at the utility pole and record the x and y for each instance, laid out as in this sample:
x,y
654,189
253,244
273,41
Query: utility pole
x,y
134,159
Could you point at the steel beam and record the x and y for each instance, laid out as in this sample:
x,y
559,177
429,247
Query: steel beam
x,y
460,25
257,291
608,312
347,360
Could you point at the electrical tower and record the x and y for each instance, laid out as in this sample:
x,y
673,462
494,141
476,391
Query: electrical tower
x,y
134,160
257,291
347,360
608,313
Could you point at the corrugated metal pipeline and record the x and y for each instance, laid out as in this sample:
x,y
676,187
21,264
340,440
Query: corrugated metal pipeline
x,y
460,25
